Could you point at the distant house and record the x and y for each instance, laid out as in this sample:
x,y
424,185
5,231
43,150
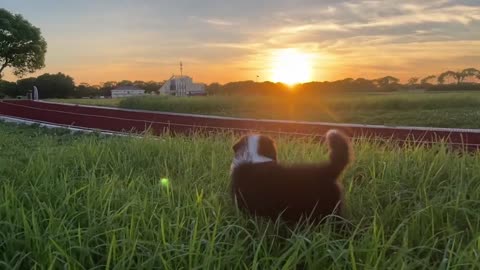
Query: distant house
x,y
127,91
182,86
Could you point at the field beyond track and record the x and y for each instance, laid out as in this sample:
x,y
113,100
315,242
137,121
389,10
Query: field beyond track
x,y
88,201
451,110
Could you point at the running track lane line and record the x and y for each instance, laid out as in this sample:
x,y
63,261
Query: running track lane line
x,y
31,110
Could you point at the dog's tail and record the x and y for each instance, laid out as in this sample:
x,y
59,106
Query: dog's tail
x,y
340,150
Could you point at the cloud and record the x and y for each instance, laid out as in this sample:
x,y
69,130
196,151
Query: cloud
x,y
456,14
213,38
325,26
215,21
378,14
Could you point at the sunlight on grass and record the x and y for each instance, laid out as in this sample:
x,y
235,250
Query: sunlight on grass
x,y
458,110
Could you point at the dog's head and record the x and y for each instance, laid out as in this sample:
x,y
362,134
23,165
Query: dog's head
x,y
254,149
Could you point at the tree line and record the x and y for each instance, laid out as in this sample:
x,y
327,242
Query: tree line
x,y
60,85
446,81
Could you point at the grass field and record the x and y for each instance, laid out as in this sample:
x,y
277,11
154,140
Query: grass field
x,y
86,201
460,110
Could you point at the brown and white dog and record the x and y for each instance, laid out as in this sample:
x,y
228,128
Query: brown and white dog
x,y
260,186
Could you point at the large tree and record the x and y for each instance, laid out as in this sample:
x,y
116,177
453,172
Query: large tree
x,y
55,85
450,74
471,72
23,86
22,46
459,76
387,83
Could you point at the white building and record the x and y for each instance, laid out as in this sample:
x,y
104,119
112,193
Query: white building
x,y
127,91
182,86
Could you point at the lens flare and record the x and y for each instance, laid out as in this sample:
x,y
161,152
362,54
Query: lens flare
x,y
164,182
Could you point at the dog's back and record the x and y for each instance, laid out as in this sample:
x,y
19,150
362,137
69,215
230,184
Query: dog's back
x,y
294,192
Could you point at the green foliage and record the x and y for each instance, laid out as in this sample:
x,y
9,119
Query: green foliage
x,y
85,90
55,85
83,202
24,85
7,88
22,46
49,86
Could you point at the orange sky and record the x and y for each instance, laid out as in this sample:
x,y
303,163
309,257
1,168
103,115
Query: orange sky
x,y
219,42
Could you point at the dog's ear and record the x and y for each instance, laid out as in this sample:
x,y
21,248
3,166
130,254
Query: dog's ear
x,y
239,144
267,147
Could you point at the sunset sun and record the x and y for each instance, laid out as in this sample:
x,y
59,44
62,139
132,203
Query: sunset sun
x,y
291,66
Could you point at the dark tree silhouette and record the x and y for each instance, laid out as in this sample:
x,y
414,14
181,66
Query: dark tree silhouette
x,y
22,46
387,83
55,85
7,89
425,80
23,86
470,72
412,81
450,74
459,76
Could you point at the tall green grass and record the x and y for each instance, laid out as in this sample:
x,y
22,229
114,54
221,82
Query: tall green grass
x,y
352,102
108,102
86,201
460,110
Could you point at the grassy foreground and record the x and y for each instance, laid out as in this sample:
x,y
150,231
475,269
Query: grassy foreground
x,y
87,201
458,110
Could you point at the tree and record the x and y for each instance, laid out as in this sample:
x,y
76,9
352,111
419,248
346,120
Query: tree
x,y
413,81
362,84
149,87
7,89
470,72
450,74
425,80
213,88
106,88
387,83
22,46
86,90
459,76
23,86
125,83
55,85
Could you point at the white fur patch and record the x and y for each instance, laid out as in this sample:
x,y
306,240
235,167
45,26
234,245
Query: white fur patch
x,y
249,153
332,132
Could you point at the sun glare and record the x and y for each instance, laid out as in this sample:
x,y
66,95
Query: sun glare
x,y
291,66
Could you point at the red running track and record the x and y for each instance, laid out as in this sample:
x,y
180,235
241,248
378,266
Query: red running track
x,y
136,121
